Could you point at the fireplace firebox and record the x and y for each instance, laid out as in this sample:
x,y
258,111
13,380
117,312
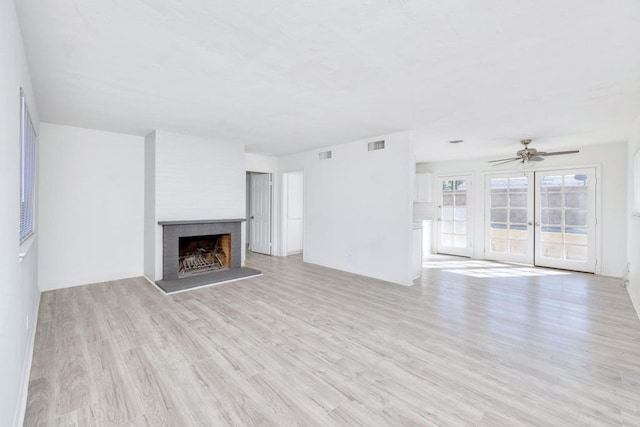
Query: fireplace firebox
x,y
199,247
203,254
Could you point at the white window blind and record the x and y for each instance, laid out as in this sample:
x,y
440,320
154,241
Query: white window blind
x,y
27,170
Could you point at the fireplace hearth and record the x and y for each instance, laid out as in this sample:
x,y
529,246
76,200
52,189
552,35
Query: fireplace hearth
x,y
201,252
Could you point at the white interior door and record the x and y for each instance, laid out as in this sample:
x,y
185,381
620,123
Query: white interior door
x,y
454,215
260,213
509,217
566,219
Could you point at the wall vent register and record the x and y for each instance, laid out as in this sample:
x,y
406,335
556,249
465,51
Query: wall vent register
x,y
324,155
376,145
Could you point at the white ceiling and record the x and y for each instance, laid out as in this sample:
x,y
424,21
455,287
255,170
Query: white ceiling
x,y
285,76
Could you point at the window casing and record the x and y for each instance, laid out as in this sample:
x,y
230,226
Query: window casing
x,y
28,139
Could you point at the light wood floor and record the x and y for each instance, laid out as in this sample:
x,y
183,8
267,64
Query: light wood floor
x,y
471,343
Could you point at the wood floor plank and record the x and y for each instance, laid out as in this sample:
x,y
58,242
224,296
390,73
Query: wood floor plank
x,y
288,407
158,398
74,386
92,321
113,389
41,402
470,343
236,406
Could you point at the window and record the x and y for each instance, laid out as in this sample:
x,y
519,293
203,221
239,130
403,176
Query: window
x,y
27,170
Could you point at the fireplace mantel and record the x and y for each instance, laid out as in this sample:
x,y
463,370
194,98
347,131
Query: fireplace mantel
x,y
200,221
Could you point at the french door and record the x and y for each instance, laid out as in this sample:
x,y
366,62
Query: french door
x,y
544,218
510,232
454,215
566,219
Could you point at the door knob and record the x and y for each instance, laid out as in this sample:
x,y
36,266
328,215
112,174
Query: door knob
x,y
251,216
537,223
529,223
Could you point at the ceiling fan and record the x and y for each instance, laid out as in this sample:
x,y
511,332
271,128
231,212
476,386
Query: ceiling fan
x,y
530,154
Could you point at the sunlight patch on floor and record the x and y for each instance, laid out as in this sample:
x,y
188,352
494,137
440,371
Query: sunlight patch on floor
x,y
477,268
458,264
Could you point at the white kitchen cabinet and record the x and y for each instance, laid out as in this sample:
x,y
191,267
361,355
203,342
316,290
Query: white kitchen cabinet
x,y
423,187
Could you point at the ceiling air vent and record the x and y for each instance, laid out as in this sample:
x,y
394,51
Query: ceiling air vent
x,y
324,155
376,145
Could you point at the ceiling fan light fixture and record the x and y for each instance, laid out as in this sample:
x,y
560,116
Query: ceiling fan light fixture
x,y
525,166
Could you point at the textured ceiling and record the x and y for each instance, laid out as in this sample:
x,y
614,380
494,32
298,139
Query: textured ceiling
x,y
286,76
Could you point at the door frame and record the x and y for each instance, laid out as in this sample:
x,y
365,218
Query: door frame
x,y
469,176
249,210
598,226
284,211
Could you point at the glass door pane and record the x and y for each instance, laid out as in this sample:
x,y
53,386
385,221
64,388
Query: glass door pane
x,y
565,235
454,212
509,237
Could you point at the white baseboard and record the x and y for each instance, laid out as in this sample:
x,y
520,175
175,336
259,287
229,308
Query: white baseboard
x,y
21,407
155,285
635,303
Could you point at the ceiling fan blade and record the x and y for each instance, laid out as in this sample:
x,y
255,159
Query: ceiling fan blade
x,y
557,153
504,160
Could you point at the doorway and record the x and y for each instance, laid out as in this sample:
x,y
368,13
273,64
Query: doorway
x,y
259,212
543,218
454,215
293,212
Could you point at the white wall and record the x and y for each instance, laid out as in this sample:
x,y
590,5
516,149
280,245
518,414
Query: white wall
x,y
358,207
633,223
260,163
612,161
193,179
150,222
19,294
92,204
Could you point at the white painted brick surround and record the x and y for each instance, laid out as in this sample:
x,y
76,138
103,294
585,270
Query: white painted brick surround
x,y
193,179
